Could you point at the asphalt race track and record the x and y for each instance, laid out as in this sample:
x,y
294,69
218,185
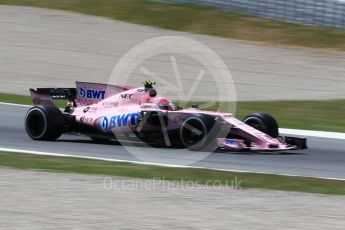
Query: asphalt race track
x,y
324,158
42,48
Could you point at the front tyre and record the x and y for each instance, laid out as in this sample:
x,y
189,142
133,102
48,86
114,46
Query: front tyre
x,y
264,123
44,122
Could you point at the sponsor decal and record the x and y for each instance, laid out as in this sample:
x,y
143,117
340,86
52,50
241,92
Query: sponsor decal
x,y
141,90
127,95
146,106
84,119
105,123
91,93
59,93
122,120
110,104
90,109
41,100
93,109
231,141
86,109
36,100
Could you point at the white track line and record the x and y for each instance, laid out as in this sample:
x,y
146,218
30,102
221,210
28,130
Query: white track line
x,y
13,104
154,164
310,133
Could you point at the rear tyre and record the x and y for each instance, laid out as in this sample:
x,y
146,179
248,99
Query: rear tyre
x,y
264,123
44,122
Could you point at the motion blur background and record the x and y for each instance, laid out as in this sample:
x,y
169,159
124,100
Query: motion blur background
x,y
311,12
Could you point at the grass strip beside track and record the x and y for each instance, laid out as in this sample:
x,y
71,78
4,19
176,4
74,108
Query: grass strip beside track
x,y
201,176
327,115
25,100
319,115
199,19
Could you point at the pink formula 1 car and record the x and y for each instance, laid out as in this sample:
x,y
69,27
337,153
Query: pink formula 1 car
x,y
105,112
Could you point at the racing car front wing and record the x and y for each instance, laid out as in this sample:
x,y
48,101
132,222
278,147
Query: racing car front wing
x,y
287,143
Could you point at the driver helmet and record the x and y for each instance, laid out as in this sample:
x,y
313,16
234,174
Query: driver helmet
x,y
162,103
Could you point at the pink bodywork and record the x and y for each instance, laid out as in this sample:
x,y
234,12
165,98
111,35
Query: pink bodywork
x,y
105,106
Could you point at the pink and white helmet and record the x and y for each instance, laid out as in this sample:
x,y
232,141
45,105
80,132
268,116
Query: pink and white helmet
x,y
161,100
162,103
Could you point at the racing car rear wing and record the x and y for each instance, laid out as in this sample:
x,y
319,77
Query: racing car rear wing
x,y
85,93
59,93
46,95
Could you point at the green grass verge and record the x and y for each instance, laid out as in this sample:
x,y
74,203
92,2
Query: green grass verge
x,y
201,176
25,100
199,19
325,115
320,115
12,98
310,115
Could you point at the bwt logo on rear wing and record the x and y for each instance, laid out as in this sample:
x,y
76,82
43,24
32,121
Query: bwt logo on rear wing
x,y
85,93
91,93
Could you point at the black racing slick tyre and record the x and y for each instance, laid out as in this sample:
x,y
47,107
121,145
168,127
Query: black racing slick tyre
x,y
196,133
264,123
44,122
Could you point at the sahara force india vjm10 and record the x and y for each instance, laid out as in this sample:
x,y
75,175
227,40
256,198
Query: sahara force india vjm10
x,y
124,113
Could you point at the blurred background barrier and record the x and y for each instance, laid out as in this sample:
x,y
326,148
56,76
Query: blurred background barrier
x,y
330,13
